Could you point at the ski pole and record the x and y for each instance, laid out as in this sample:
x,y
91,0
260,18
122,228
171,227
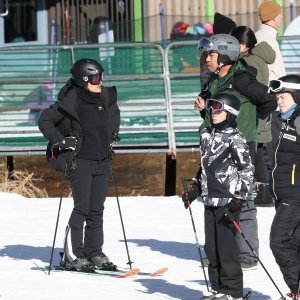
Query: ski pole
x,y
120,213
59,207
185,189
230,217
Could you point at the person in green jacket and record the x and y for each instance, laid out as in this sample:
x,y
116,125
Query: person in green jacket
x,y
223,62
258,56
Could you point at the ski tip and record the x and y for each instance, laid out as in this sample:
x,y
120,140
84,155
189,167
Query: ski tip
x,y
129,273
159,271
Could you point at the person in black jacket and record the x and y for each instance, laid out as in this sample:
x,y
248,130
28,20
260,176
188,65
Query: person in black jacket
x,y
81,127
285,230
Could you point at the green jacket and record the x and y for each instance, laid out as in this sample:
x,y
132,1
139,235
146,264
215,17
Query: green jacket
x,y
259,58
246,121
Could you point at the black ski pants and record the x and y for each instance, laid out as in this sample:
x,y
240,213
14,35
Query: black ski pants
x,y
89,183
222,250
284,241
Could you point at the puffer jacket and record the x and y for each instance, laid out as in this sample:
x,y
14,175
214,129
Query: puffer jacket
x,y
260,57
285,177
62,116
226,168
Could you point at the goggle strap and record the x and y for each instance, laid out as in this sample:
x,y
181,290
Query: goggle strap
x,y
288,85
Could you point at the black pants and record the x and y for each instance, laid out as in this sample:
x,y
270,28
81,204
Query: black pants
x,y
261,170
89,183
284,241
224,270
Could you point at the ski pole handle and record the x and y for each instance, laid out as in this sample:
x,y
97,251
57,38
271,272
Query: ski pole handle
x,y
230,217
185,189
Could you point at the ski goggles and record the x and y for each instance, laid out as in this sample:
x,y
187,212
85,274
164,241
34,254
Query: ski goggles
x,y
96,79
214,105
205,44
277,85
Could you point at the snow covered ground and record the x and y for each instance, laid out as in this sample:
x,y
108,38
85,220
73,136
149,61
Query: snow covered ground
x,y
159,233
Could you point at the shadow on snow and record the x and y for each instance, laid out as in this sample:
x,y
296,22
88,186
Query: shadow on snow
x,y
26,252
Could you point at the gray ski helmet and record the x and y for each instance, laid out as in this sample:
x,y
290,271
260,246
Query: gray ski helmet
x,y
226,45
231,103
83,68
288,83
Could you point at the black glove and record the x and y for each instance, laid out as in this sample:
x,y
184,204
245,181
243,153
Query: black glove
x,y
68,143
234,205
192,194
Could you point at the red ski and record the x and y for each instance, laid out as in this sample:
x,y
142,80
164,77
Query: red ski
x,y
159,272
129,273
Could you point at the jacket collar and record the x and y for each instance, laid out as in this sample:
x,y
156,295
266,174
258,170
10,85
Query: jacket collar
x,y
271,30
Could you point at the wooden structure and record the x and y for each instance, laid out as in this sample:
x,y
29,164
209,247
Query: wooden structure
x,y
135,174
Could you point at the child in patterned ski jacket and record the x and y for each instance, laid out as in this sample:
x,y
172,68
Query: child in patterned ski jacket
x,y
224,181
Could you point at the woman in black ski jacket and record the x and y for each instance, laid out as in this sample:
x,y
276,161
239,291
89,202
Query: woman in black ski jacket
x,y
285,182
80,128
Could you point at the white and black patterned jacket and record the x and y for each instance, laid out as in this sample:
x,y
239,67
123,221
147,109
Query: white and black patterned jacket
x,y
226,168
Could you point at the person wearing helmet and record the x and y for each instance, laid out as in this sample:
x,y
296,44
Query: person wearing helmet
x,y
223,62
224,182
80,127
285,229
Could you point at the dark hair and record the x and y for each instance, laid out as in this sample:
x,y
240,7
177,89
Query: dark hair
x,y
245,35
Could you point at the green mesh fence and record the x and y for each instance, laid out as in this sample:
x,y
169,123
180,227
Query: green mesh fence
x,y
137,73
30,81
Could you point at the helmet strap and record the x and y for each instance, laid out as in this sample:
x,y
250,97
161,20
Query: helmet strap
x,y
220,66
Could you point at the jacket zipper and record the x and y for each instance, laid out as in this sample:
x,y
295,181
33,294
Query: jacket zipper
x,y
275,166
293,174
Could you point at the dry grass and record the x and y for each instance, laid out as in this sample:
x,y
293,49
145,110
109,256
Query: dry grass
x,y
23,183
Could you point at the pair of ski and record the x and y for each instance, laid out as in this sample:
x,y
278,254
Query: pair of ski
x,y
119,273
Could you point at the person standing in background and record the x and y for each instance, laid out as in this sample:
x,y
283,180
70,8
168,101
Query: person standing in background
x,y
270,16
259,56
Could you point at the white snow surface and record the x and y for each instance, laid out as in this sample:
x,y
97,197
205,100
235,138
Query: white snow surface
x,y
159,233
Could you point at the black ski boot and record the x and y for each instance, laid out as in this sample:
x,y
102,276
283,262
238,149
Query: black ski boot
x,y
102,262
80,264
264,197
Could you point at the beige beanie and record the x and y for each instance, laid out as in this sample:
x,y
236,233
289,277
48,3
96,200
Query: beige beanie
x,y
268,10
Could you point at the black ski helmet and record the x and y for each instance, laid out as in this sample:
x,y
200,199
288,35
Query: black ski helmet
x,y
226,45
83,68
287,83
231,104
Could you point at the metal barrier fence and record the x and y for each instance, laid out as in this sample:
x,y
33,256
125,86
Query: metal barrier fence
x,y
156,84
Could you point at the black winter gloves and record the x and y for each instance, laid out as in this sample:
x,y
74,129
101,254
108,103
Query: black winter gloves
x,y
192,194
68,143
234,205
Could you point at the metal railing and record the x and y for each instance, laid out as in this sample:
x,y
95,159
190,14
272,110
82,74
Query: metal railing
x,y
156,87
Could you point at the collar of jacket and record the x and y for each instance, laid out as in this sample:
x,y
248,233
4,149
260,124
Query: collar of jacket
x,y
67,101
239,65
295,114
271,30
